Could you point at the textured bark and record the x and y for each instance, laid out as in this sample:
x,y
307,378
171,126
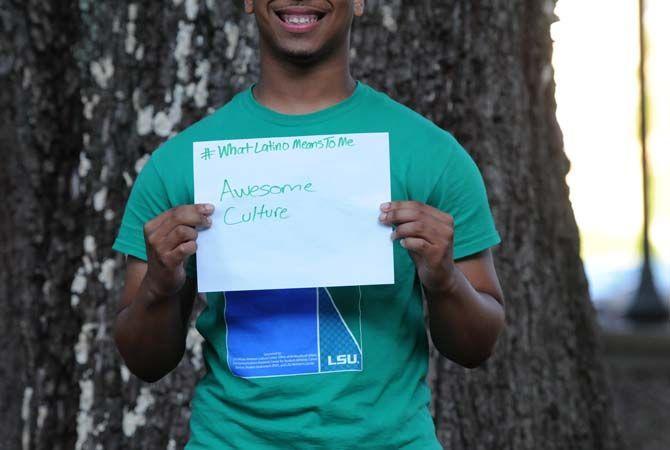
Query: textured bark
x,y
89,89
39,220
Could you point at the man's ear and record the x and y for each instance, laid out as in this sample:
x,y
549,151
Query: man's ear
x,y
249,6
359,5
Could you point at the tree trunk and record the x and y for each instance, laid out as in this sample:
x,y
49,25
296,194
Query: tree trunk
x,y
89,89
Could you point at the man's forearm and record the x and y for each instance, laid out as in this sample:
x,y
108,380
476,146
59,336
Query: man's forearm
x,y
150,334
464,323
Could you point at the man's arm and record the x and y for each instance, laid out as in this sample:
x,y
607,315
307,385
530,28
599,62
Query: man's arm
x,y
152,320
465,301
466,318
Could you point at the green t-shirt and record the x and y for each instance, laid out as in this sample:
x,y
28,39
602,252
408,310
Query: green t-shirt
x,y
327,368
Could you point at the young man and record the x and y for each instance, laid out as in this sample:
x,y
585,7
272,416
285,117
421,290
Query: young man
x,y
376,396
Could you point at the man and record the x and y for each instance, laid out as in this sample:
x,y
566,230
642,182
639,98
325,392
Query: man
x,y
368,388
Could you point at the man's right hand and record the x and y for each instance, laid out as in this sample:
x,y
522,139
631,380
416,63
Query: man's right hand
x,y
170,240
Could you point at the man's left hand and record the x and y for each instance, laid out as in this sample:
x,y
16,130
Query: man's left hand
x,y
428,234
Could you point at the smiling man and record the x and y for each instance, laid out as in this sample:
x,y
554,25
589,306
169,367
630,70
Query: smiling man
x,y
327,368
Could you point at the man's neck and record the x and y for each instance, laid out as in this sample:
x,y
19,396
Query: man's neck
x,y
292,88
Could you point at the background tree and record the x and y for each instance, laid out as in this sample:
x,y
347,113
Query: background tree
x,y
88,89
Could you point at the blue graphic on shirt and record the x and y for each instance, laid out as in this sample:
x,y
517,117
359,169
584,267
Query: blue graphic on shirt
x,y
283,332
339,350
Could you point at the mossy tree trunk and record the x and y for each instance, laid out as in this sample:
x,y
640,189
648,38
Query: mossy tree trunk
x,y
88,89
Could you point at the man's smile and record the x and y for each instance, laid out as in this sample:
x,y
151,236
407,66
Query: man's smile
x,y
299,19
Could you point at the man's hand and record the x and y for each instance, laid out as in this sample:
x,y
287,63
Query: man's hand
x,y
428,234
464,298
170,239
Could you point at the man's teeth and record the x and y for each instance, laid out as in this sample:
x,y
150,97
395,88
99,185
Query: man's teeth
x,y
299,20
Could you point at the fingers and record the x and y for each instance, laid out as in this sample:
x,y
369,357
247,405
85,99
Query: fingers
x,y
191,215
177,256
423,230
398,212
424,236
171,236
416,245
178,235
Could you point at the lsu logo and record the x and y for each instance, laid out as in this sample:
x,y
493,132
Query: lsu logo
x,y
342,360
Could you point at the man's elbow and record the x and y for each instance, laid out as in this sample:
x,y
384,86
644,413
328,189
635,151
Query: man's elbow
x,y
149,374
149,377
147,369
471,359
477,361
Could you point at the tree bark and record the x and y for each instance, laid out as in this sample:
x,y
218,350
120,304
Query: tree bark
x,y
89,89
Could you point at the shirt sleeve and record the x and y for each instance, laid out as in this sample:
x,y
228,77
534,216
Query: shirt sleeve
x,y
148,199
460,192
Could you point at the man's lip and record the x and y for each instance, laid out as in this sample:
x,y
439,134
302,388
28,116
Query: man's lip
x,y
300,10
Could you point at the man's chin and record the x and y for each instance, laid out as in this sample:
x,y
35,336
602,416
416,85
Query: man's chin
x,y
300,53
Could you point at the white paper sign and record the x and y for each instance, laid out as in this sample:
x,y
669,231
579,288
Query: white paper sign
x,y
294,212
